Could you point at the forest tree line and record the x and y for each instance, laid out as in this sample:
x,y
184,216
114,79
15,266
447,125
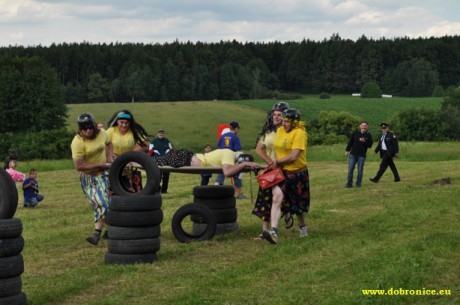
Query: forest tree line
x,y
182,71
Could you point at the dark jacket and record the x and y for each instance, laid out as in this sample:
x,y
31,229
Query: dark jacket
x,y
159,147
392,145
356,147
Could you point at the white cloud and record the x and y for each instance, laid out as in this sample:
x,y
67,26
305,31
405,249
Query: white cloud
x,y
33,22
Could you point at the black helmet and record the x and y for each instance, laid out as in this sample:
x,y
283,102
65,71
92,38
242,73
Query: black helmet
x,y
85,119
291,114
280,106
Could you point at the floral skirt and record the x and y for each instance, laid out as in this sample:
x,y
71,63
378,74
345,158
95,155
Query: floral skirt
x,y
96,190
176,158
296,190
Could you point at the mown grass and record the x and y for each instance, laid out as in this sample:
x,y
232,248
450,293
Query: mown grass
x,y
381,236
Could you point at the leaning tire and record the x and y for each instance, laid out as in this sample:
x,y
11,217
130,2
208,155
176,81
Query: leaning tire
x,y
136,203
11,266
17,299
217,203
8,196
134,219
148,164
11,246
125,233
213,191
10,286
134,246
193,209
125,259
10,228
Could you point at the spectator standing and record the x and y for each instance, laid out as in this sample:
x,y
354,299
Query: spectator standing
x,y
356,150
31,190
294,192
265,150
206,176
92,154
161,146
389,149
231,141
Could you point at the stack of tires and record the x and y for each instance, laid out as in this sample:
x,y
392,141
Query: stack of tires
x,y
134,219
220,199
11,244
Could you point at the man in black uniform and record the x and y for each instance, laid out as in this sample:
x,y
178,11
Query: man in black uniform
x,y
389,149
356,150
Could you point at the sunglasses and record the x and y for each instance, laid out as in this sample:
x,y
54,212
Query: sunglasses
x,y
87,128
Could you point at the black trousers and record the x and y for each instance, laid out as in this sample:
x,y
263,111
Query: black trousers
x,y
164,182
387,161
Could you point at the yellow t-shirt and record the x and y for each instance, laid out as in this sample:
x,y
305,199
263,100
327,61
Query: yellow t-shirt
x,y
217,157
268,141
285,142
92,151
121,143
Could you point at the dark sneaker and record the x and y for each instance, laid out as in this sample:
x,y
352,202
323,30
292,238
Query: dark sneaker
x,y
271,236
373,180
348,186
93,239
397,179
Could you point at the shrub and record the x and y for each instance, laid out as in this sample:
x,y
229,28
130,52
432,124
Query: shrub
x,y
419,124
332,127
324,96
371,90
438,91
46,144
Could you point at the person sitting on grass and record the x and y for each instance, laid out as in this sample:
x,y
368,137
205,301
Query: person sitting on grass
x,y
31,191
15,175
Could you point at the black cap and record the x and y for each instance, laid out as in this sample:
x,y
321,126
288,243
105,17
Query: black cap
x,y
234,125
384,125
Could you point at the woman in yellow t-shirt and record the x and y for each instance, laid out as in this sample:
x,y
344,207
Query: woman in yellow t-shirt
x,y
126,134
92,153
290,149
266,151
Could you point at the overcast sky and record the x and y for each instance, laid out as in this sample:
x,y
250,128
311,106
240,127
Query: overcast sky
x,y
33,22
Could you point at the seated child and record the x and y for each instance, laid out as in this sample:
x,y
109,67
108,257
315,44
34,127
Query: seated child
x,y
30,187
15,175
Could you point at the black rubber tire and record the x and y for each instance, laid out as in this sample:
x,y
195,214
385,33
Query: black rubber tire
x,y
134,219
213,191
134,246
127,259
10,286
17,299
136,203
193,209
11,266
221,228
11,246
124,233
217,203
147,163
222,216
10,228
8,195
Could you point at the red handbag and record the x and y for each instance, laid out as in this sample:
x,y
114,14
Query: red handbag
x,y
268,178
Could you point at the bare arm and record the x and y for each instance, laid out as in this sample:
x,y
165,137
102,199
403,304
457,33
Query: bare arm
x,y
109,152
289,158
232,170
260,151
81,166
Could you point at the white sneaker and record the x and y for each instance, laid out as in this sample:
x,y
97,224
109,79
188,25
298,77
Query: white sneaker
x,y
303,231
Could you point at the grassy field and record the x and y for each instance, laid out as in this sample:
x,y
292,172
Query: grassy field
x,y
382,236
192,124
